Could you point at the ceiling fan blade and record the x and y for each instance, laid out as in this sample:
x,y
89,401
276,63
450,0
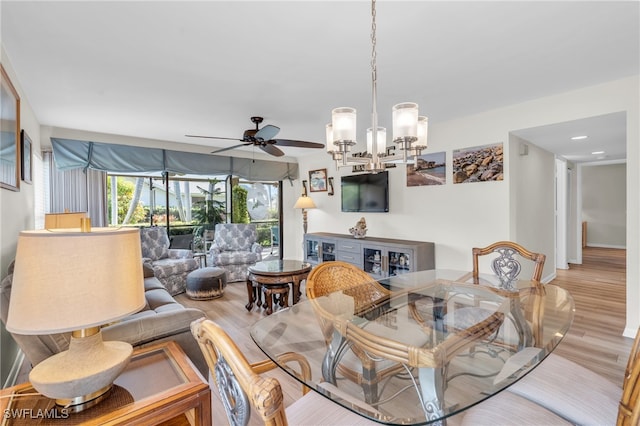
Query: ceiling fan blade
x,y
231,147
271,149
267,132
212,137
299,144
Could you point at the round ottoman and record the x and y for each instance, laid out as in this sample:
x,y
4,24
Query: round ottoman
x,y
206,283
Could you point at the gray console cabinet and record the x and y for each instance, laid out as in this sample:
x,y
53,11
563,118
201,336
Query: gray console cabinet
x,y
380,257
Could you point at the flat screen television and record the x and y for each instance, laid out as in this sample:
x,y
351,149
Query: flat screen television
x,y
365,193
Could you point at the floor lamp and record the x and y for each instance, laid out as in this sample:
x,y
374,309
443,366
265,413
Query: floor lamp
x,y
305,203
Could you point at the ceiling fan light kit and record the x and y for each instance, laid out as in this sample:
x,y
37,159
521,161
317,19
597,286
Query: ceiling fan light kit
x,y
409,129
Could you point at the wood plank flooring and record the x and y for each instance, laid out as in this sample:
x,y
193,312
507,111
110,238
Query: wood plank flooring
x,y
595,339
598,287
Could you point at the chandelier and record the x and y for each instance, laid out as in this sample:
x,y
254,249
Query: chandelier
x,y
409,129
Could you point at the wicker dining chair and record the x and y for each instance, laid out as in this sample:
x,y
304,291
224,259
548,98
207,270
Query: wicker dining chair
x,y
355,365
242,388
381,356
568,391
506,265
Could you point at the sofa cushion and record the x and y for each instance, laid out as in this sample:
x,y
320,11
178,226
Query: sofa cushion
x,y
167,267
147,270
236,258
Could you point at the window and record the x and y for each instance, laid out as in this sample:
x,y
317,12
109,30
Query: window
x,y
195,204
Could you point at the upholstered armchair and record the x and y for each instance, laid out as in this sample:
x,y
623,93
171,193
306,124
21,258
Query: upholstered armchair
x,y
234,249
170,266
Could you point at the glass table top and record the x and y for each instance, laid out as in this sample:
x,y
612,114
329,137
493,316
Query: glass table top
x,y
267,267
434,343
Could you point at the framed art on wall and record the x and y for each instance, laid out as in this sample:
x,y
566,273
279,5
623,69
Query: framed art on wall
x,y
318,180
25,151
9,134
478,164
429,169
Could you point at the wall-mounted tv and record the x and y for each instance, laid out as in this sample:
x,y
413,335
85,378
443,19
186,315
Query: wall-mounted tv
x,y
365,193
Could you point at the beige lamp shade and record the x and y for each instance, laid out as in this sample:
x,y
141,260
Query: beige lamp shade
x,y
70,280
304,202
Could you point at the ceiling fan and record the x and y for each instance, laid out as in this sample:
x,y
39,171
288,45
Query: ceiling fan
x,y
263,139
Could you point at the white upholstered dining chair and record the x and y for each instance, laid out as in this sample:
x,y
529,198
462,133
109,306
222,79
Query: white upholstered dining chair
x,y
559,390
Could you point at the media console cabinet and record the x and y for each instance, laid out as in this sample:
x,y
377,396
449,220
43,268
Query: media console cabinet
x,y
380,257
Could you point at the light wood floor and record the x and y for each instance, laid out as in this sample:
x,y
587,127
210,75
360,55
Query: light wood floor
x,y
598,287
595,339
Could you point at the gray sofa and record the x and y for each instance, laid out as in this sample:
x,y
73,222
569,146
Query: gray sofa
x,y
162,319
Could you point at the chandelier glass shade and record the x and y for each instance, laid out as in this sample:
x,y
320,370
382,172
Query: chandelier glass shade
x,y
409,128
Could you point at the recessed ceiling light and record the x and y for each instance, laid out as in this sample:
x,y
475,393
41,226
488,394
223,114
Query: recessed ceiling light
x,y
577,138
597,152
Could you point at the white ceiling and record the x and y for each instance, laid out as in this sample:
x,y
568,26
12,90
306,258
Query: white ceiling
x,y
163,69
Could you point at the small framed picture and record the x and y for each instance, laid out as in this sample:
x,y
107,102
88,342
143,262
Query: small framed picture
x,y
25,151
318,180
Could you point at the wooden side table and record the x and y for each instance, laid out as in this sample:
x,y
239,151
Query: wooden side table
x,y
272,276
159,384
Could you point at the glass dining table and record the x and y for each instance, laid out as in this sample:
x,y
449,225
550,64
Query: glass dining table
x,y
450,343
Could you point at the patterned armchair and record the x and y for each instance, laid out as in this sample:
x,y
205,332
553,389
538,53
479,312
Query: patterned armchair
x,y
234,249
170,266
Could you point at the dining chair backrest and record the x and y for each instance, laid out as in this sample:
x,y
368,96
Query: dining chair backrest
x,y
329,277
364,294
506,265
239,383
240,386
629,408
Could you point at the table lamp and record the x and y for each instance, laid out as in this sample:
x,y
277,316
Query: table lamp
x,y
304,203
68,280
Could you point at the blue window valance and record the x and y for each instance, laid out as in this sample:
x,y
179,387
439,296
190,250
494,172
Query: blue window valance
x,y
71,154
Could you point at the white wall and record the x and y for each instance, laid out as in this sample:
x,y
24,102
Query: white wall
x,y
458,217
16,211
533,202
604,204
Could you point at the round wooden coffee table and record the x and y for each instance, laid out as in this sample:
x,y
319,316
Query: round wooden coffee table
x,y
273,277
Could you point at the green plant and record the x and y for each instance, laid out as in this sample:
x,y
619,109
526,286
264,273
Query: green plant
x,y
210,211
125,196
239,213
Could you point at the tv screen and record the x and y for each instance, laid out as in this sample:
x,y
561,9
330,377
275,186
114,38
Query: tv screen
x,y
365,193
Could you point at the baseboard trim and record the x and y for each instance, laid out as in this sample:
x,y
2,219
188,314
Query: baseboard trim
x,y
549,278
630,332
12,378
606,246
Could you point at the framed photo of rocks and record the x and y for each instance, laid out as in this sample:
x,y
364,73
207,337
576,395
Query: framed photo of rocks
x,y
478,164
430,169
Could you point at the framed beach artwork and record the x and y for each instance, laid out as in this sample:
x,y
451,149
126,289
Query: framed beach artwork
x,y
429,169
9,134
318,180
478,164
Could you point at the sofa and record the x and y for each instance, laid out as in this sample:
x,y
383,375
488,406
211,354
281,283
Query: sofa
x,y
234,249
162,319
170,266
